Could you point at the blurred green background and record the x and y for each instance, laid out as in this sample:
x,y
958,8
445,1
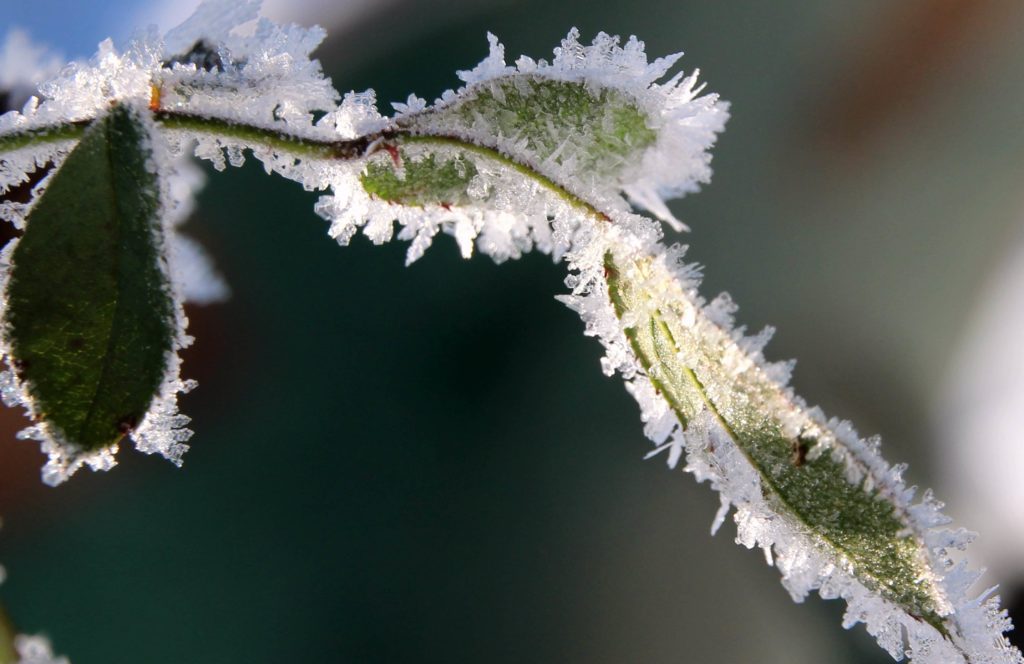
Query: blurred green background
x,y
427,465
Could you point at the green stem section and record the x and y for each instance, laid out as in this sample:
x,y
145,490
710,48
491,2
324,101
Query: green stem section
x,y
268,137
303,147
200,124
71,131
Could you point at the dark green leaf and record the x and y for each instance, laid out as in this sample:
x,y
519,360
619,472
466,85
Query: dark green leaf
x,y
90,316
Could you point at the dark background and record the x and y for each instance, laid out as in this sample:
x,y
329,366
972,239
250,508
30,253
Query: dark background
x,y
427,465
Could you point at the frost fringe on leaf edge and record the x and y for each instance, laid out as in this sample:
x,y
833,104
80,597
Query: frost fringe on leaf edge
x,y
162,429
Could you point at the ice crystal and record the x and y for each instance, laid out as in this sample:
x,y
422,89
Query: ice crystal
x,y
18,168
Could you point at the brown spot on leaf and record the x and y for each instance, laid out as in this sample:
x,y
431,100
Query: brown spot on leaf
x,y
127,423
801,446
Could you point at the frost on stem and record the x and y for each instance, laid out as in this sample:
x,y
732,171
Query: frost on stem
x,y
549,156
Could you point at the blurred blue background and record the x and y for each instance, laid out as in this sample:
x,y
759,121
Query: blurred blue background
x,y
426,464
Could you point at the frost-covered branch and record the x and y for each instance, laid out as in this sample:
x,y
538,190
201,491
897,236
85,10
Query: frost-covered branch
x,y
554,156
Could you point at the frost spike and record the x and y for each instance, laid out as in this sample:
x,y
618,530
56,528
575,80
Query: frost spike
x,y
89,315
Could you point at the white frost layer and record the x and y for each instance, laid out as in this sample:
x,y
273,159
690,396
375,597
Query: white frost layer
x,y
163,430
17,166
266,79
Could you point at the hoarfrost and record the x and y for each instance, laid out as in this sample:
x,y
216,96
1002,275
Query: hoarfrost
x,y
265,75
262,77
19,167
163,429
266,79
684,122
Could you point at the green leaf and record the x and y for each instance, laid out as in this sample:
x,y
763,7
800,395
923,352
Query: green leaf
x,y
599,131
424,180
90,317
859,524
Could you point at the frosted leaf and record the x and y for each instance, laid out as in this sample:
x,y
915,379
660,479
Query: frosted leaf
x,y
594,120
717,384
81,423
425,188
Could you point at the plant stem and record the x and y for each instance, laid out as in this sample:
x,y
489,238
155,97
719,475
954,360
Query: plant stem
x,y
274,138
17,140
315,148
